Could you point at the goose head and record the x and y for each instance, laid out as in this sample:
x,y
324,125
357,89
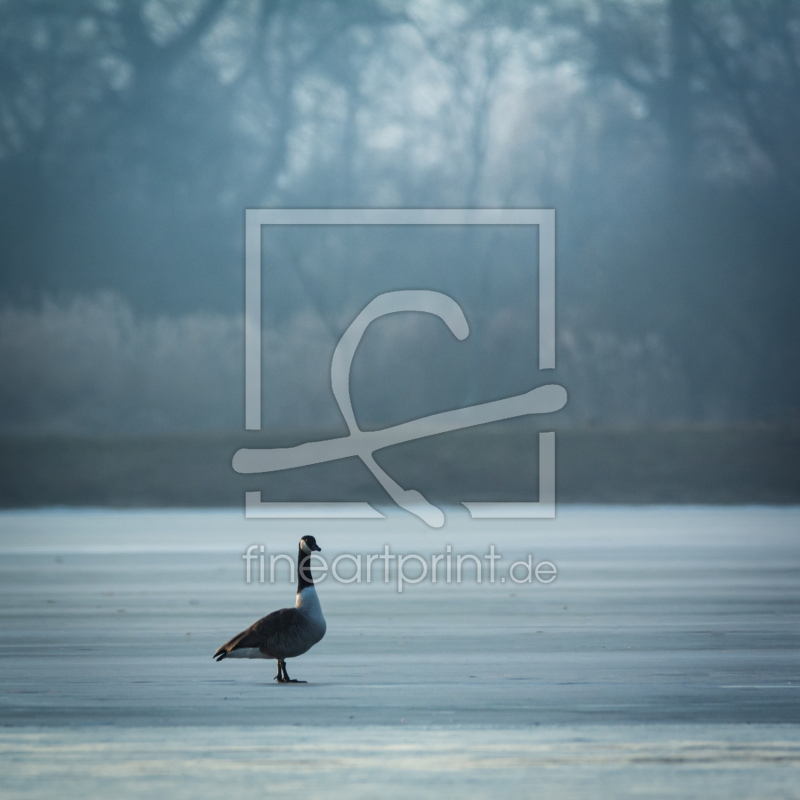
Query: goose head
x,y
308,544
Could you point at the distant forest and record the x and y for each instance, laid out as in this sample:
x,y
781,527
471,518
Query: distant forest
x,y
134,134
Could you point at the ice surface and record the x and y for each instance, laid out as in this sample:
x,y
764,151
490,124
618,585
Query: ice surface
x,y
664,656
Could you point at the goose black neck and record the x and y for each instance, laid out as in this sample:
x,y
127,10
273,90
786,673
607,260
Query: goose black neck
x,y
304,576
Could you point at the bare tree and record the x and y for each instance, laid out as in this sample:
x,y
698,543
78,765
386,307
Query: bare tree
x,y
695,60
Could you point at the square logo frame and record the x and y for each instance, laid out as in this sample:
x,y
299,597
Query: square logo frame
x,y
256,218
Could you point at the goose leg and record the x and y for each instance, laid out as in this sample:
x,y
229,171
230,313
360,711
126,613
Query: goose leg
x,y
279,676
286,678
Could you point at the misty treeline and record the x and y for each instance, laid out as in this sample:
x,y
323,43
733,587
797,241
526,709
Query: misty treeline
x,y
134,133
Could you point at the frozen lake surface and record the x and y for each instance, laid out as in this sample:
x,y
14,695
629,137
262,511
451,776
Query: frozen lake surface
x,y
663,659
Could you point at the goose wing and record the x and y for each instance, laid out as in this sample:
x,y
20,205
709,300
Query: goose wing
x,y
260,634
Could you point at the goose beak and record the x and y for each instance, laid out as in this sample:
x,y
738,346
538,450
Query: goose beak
x,y
317,548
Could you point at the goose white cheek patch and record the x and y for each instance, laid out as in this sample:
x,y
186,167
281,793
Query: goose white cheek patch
x,y
305,548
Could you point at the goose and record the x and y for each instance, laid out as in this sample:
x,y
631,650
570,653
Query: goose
x,y
287,633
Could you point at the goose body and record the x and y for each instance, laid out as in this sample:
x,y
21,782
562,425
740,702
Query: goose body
x,y
286,633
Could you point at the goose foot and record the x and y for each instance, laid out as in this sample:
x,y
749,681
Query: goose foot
x,y
283,675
